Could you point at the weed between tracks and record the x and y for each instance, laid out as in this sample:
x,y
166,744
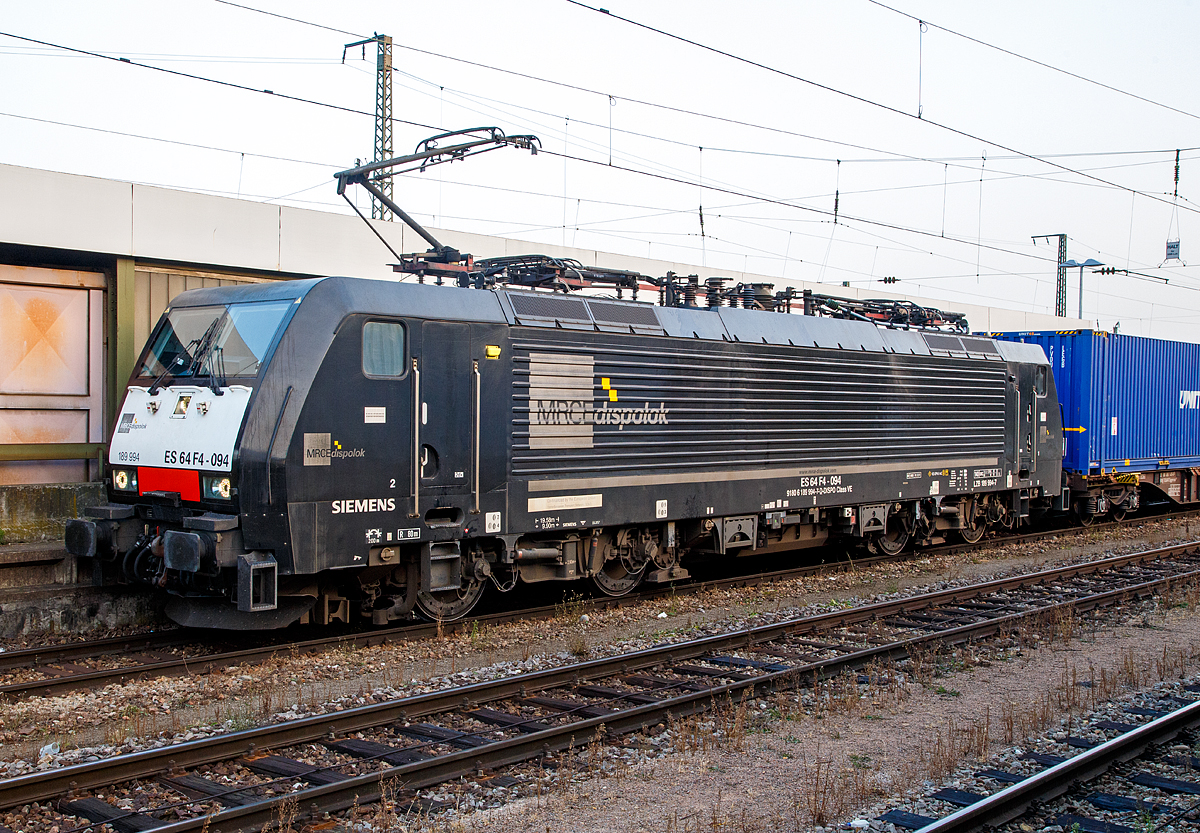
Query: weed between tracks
x,y
574,612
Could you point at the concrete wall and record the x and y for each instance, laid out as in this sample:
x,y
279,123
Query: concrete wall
x,y
40,512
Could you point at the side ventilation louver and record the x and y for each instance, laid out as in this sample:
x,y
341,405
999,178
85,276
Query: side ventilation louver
x,y
636,316
576,313
946,344
548,308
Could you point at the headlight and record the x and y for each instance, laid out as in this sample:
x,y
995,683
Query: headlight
x,y
125,480
217,488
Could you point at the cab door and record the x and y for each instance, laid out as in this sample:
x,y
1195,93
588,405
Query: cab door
x,y
445,417
1026,421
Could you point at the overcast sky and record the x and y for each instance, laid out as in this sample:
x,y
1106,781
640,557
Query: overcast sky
x,y
958,140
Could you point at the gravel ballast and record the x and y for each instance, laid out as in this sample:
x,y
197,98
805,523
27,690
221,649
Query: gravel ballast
x,y
787,762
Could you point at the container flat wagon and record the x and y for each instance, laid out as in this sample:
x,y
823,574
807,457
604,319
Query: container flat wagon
x,y
1131,418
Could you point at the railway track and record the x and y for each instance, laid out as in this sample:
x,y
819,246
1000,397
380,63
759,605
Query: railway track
x,y
1133,780
58,669
327,763
144,656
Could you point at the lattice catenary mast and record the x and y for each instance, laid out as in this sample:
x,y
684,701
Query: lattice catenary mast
x,y
383,114
1060,287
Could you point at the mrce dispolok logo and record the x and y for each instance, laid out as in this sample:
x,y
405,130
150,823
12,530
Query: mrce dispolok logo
x,y
322,449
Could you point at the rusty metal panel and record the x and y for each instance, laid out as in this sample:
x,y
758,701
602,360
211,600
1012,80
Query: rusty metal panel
x,y
51,277
97,389
51,367
29,425
43,340
21,425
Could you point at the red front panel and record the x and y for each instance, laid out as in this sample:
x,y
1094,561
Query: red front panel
x,y
184,481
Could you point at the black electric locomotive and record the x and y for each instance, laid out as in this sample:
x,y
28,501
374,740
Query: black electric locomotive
x,y
339,449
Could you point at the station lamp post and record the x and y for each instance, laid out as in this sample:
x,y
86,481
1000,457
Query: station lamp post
x,y
1089,263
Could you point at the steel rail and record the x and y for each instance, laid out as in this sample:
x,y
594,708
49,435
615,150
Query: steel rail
x,y
46,785
204,663
1050,783
49,654
200,664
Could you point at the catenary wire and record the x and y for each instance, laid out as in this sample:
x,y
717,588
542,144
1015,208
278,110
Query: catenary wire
x,y
627,99
351,110
861,99
1017,153
1034,61
229,84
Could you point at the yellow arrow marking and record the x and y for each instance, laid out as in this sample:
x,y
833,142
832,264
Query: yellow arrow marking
x,y
1080,430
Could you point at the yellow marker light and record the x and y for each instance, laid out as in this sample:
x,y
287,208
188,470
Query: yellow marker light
x,y
492,351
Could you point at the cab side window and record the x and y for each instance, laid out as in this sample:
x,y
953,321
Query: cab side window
x,y
383,348
1039,379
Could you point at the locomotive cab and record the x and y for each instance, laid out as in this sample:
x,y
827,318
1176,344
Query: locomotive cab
x,y
174,479
282,456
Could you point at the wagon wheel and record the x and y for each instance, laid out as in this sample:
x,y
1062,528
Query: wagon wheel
x,y
1118,512
621,575
1086,519
974,533
449,605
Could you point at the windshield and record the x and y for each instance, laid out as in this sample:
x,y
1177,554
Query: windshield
x,y
218,341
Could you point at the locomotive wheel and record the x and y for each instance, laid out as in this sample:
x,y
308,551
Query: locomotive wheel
x,y
449,605
614,580
894,540
975,525
973,532
1086,519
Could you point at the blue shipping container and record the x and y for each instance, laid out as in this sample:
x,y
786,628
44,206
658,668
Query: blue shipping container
x,y
1129,403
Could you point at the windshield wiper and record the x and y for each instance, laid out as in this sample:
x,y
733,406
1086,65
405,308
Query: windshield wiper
x,y
204,354
216,367
166,370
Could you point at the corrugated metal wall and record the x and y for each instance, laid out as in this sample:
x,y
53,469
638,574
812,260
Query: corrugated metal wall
x,y
154,288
